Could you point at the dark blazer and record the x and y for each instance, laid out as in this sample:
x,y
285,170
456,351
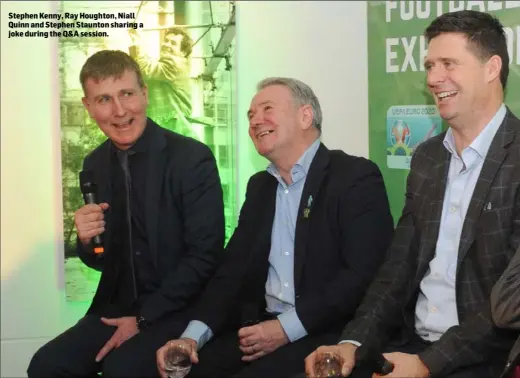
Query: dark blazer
x,y
184,220
488,241
505,306
338,246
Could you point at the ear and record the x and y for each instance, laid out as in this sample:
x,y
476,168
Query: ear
x,y
306,116
145,93
86,104
493,68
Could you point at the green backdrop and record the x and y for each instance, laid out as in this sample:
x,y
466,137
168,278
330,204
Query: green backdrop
x,y
401,111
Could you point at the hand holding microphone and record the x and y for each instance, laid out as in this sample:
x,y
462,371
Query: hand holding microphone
x,y
89,219
373,360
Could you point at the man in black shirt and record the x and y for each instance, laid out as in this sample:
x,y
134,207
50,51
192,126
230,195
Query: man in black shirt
x,y
162,220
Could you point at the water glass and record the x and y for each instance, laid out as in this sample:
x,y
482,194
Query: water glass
x,y
177,360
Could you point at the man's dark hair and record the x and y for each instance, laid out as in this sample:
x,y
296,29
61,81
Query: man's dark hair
x,y
485,34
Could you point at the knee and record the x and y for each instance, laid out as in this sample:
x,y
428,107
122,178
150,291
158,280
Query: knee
x,y
120,363
42,365
114,367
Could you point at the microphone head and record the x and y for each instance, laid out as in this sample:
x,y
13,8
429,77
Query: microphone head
x,y
249,314
372,358
86,182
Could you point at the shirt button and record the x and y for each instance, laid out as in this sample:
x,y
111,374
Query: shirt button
x,y
433,309
286,191
286,253
286,284
138,253
453,209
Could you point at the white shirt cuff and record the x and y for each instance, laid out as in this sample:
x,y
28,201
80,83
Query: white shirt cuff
x,y
356,343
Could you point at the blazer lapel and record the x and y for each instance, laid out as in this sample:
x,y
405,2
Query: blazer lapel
x,y
157,160
317,172
434,208
494,159
265,220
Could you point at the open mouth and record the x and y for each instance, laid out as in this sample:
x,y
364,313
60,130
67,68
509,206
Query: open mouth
x,y
123,125
445,96
264,133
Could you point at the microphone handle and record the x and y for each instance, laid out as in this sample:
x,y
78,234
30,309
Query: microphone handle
x,y
97,241
387,368
90,198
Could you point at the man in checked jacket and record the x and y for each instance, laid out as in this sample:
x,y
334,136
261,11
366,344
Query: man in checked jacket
x,y
505,308
428,309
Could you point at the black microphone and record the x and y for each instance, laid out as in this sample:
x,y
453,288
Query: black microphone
x,y
89,190
370,358
249,314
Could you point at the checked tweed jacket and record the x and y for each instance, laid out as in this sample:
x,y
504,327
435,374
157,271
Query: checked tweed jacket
x,y
489,239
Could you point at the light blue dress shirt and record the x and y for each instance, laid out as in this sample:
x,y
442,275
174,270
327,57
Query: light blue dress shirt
x,y
279,288
436,308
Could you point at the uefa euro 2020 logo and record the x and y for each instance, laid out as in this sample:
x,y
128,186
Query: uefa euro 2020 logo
x,y
407,126
400,138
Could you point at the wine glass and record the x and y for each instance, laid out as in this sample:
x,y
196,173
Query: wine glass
x,y
177,360
328,365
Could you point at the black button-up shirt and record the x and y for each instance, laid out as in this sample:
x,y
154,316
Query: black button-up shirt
x,y
135,265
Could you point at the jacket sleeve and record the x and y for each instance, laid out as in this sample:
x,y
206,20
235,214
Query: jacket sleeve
x,y
382,307
505,297
203,234
216,303
365,227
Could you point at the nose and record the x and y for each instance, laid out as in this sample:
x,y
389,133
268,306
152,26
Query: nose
x,y
255,120
436,75
118,108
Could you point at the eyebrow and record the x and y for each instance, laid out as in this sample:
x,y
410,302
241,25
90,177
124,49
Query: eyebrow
x,y
250,112
123,90
430,61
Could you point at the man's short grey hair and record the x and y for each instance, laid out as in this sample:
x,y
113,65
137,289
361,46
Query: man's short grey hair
x,y
302,95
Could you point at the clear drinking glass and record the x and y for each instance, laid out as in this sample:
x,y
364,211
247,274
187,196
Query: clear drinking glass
x,y
177,360
328,365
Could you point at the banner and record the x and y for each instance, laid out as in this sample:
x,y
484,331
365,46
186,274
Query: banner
x,y
402,113
185,50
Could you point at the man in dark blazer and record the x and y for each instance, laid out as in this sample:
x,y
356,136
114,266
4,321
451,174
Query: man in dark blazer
x,y
429,304
161,215
312,232
505,308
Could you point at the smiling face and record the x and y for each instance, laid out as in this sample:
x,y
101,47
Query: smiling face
x,y
458,80
172,44
276,124
118,105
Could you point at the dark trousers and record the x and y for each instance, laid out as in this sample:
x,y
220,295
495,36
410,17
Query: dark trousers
x,y
417,345
73,353
221,357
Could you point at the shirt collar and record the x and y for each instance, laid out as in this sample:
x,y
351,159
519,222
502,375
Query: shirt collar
x,y
304,162
483,141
